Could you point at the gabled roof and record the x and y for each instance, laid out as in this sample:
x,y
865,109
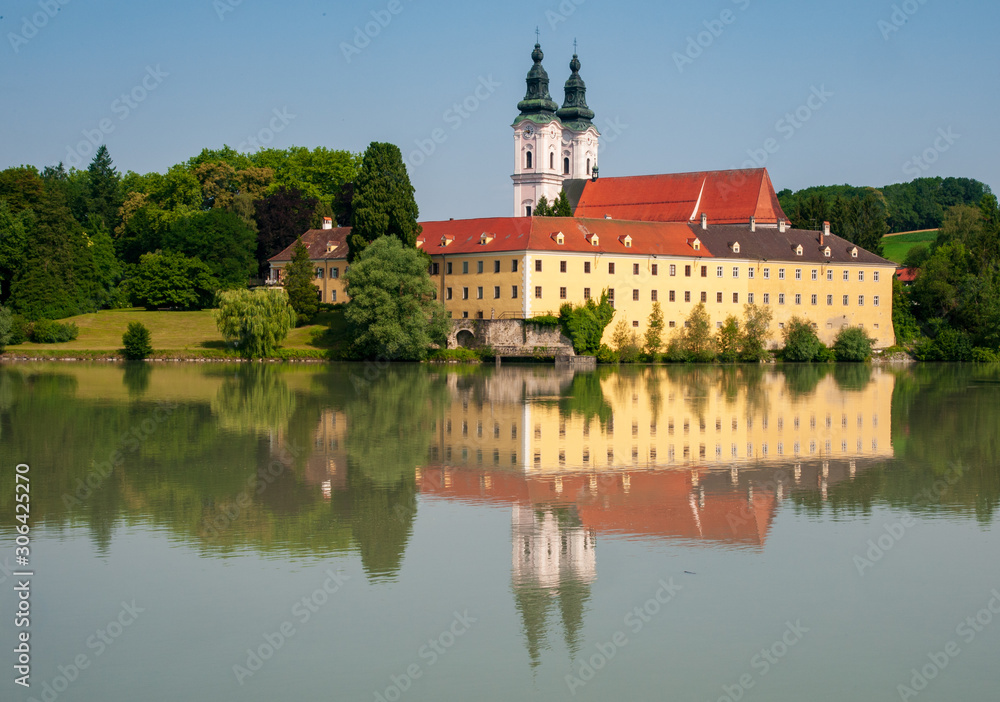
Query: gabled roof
x,y
539,234
727,197
767,243
317,242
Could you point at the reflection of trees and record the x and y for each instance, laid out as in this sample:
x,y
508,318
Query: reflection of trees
x,y
585,398
136,377
801,379
852,376
255,399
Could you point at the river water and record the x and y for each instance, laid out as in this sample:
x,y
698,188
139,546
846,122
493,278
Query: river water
x,y
263,532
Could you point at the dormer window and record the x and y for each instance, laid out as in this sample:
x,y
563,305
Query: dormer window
x,y
854,252
594,241
485,238
330,246
627,240
736,247
696,244
798,250
420,243
560,239
826,252
446,240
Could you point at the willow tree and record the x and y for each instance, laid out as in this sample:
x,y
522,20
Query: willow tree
x,y
256,321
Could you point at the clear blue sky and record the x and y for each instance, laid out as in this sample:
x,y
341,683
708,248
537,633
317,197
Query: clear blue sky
x,y
230,64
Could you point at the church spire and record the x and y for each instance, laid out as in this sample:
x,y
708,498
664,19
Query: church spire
x,y
537,104
574,113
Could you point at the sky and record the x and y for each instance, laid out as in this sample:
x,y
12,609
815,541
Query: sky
x,y
866,92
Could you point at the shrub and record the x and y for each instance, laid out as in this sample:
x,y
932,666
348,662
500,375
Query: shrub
x,y
801,343
5,326
606,355
853,345
45,331
626,343
585,324
984,355
545,320
754,336
461,355
136,342
20,330
728,340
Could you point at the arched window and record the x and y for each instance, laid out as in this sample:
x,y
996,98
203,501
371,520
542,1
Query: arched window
x,y
552,161
588,166
527,210
566,166
527,160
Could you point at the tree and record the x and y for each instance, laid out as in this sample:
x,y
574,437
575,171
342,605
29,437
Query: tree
x,y
698,342
136,342
728,340
853,345
13,239
561,208
542,208
753,340
171,279
5,327
625,342
801,343
585,324
256,321
282,216
383,202
392,312
298,283
866,221
221,240
654,331
104,186
22,188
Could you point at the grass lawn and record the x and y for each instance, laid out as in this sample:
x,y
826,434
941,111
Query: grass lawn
x,y
178,334
896,246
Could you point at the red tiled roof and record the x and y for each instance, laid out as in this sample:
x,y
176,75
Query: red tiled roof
x,y
907,275
539,234
322,244
727,197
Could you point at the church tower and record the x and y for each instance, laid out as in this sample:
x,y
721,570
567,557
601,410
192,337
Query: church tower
x,y
551,144
538,135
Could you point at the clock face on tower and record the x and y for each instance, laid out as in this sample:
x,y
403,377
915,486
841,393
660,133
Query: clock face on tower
x,y
528,132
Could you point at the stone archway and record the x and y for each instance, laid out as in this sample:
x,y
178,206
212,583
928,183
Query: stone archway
x,y
466,339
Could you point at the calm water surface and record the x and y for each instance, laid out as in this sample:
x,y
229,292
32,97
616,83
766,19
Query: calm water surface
x,y
206,532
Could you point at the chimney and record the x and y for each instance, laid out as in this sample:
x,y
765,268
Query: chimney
x,y
825,233
781,226
328,223
704,221
753,223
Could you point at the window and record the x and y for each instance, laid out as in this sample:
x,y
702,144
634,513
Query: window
x,y
611,269
552,161
635,295
861,276
798,299
672,324
847,276
479,266
704,296
704,271
435,269
861,300
781,298
335,272
538,265
538,291
875,300
566,166
829,274
465,315
750,298
465,267
513,266
813,299
718,297
781,274
527,212
562,266
671,296
736,271
527,159
496,292
586,266
718,272
586,293
611,295
687,271
829,299
750,273
655,268
687,296
635,322
465,293
635,269
767,274
496,266
513,292
673,269
815,273
798,274
588,166
846,301
653,295
562,293
767,298
736,298
875,276
447,293
479,293
319,272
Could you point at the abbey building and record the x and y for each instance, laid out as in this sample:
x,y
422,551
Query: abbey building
x,y
714,237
